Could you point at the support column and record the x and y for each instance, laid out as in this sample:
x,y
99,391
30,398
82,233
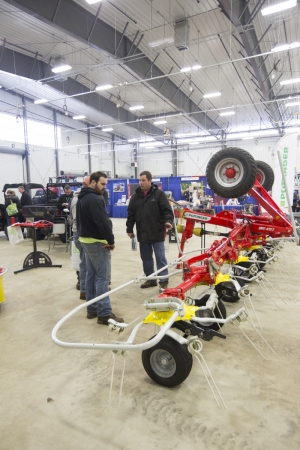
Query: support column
x,y
26,154
55,143
135,159
174,157
89,147
113,155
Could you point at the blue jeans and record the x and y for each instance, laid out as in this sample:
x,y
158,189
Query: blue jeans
x,y
146,252
98,271
82,264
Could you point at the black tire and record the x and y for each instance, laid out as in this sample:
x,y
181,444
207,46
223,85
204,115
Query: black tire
x,y
265,175
260,256
168,363
246,265
218,313
227,292
231,172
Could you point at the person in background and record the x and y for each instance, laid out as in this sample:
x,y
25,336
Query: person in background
x,y
25,200
295,200
150,210
81,274
64,199
232,202
10,198
96,237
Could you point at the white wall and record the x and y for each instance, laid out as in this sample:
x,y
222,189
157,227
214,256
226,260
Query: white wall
x,y
11,171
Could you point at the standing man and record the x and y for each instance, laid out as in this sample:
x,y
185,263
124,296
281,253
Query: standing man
x,y
96,237
25,197
152,214
64,199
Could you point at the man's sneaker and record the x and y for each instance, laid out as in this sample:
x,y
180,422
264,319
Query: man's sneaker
x,y
148,284
82,296
91,316
163,285
78,286
104,320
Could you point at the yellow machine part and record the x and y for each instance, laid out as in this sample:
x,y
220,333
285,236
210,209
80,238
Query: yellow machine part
x,y
180,228
222,277
254,247
161,317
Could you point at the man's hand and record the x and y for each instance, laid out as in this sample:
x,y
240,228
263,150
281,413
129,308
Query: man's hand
x,y
131,235
110,246
169,225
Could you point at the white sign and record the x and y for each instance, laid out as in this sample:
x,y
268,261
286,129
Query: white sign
x,y
287,146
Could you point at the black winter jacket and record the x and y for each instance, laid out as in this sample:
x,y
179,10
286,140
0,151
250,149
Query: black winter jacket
x,y
14,199
91,216
25,199
149,214
64,199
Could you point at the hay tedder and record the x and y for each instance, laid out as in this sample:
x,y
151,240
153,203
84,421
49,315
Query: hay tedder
x,y
238,257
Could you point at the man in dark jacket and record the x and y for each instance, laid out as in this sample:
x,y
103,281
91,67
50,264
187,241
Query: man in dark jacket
x,y
25,200
96,237
64,199
150,211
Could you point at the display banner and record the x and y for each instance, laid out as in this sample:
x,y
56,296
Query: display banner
x,y
287,146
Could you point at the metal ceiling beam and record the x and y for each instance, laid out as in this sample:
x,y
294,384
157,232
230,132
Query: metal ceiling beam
x,y
71,18
22,65
238,13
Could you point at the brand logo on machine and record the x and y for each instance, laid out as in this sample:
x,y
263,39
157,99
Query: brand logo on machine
x,y
196,216
266,228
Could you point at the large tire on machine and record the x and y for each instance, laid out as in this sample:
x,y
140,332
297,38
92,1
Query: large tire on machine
x,y
218,313
231,172
168,363
265,175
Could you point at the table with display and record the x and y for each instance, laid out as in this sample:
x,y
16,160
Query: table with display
x,y
119,211
36,259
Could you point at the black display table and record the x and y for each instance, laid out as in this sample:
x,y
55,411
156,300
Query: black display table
x,y
36,259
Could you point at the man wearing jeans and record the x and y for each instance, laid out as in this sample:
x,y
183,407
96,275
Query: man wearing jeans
x,y
150,211
95,234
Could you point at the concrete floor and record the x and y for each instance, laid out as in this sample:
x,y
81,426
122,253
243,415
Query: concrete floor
x,y
56,398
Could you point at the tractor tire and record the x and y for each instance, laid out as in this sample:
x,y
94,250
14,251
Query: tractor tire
x,y
265,175
168,363
218,313
231,172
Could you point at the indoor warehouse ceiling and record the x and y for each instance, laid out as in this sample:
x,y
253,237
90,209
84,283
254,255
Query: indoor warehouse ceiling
x,y
195,68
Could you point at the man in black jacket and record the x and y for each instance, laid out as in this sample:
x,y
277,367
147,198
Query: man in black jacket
x,y
150,211
96,237
64,199
25,197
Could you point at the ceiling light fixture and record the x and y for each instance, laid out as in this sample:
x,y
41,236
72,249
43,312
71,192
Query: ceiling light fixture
x,y
196,67
293,104
132,140
78,117
159,122
279,7
290,81
91,2
213,94
105,87
61,68
159,42
281,48
136,108
107,129
40,101
227,113
186,69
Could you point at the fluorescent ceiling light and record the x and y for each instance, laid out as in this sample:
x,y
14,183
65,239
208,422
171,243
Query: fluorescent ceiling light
x,y
158,42
291,81
61,68
252,134
40,101
213,94
279,7
136,108
182,135
78,117
197,67
132,140
154,144
159,122
293,104
186,69
227,113
107,129
91,2
280,48
105,87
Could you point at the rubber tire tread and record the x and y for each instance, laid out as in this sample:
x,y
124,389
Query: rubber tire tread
x,y
183,359
268,173
214,326
250,172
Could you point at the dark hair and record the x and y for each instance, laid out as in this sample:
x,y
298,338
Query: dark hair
x,y
95,176
147,174
67,186
21,186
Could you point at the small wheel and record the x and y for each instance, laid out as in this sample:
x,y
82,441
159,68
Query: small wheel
x,y
168,363
265,175
227,292
259,255
218,313
231,172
